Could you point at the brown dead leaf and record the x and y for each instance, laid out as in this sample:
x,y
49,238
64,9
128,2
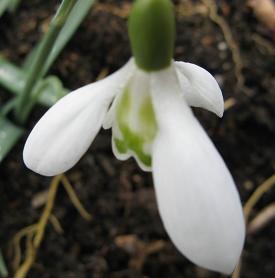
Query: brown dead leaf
x,y
264,11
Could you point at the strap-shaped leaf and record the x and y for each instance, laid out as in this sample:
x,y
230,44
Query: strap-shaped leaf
x,y
4,4
9,135
13,79
13,5
78,13
52,91
3,268
9,5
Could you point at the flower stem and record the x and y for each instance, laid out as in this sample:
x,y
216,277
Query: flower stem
x,y
44,50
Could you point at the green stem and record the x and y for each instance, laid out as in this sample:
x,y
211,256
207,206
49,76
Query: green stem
x,y
43,52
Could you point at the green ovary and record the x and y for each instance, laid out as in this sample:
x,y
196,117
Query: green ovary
x,y
135,138
151,28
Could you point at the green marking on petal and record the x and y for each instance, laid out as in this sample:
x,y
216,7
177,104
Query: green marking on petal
x,y
121,146
135,138
136,146
147,115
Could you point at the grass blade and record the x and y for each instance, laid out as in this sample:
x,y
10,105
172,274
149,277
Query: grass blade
x,y
4,4
78,13
11,77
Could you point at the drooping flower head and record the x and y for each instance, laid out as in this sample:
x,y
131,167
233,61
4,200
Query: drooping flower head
x,y
147,105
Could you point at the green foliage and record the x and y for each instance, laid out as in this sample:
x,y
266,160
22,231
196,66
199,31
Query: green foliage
x,y
9,135
4,4
35,73
28,84
48,91
13,5
78,13
9,5
13,79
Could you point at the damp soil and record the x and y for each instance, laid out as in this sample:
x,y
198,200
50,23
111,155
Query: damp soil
x,y
119,195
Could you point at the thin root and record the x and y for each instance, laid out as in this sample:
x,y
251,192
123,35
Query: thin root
x,y
229,103
27,231
47,211
261,219
236,55
264,46
74,199
29,260
35,233
56,224
249,205
258,193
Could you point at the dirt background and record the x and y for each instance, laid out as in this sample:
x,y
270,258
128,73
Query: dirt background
x,y
118,194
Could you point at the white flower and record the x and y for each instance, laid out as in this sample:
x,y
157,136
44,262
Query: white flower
x,y
151,120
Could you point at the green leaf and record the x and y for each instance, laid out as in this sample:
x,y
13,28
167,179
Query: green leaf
x,y
14,5
9,5
13,79
4,4
78,13
52,91
3,268
9,136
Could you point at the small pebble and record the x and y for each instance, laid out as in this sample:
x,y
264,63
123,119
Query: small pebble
x,y
222,46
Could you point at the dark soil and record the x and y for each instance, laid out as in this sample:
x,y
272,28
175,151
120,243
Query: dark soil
x,y
118,194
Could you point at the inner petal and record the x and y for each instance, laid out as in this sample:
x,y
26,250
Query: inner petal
x,y
135,121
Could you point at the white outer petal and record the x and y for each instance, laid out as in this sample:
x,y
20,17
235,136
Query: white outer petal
x,y
68,128
200,88
197,198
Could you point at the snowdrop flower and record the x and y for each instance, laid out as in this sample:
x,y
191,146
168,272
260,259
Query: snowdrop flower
x,y
147,105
